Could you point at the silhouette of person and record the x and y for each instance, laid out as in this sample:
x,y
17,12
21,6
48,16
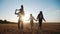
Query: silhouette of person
x,y
31,18
40,18
20,15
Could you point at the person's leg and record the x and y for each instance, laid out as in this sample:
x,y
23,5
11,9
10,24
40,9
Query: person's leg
x,y
21,29
31,24
40,24
19,24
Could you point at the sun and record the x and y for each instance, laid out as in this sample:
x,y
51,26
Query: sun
x,y
25,18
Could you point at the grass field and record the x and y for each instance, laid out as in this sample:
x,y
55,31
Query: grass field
x,y
47,28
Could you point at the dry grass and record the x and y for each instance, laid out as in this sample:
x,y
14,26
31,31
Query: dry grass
x,y
47,28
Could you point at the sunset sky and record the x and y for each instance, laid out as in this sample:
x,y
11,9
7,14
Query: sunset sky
x,y
50,8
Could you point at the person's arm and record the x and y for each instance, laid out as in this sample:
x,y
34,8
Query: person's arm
x,y
43,19
33,18
38,16
15,12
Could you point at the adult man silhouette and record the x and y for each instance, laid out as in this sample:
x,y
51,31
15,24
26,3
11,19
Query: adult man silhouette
x,y
20,15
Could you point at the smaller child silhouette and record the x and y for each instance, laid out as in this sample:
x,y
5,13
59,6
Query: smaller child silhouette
x,y
31,18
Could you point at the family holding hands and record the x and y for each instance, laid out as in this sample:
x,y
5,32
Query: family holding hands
x,y
31,18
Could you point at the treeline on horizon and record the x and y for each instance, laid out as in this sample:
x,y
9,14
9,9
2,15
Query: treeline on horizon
x,y
5,22
9,22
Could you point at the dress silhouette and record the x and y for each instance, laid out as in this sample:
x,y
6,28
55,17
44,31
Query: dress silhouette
x,y
20,15
40,18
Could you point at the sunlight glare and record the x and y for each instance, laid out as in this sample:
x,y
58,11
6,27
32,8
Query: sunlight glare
x,y
25,18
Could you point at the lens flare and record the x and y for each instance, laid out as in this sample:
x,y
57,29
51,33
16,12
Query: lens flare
x,y
25,18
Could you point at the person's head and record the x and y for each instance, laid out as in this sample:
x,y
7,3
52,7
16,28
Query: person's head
x,y
30,15
22,6
40,12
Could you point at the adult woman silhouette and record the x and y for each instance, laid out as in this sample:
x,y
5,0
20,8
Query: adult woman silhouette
x,y
40,18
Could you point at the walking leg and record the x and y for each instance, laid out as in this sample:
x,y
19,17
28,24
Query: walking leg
x,y
18,24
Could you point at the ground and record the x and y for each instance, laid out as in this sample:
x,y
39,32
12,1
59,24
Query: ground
x,y
47,28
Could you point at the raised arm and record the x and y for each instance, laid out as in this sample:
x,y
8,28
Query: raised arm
x,y
16,11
